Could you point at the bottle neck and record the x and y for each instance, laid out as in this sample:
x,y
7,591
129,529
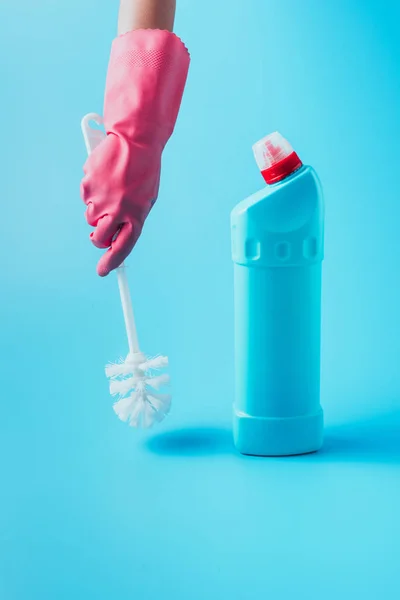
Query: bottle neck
x,y
282,169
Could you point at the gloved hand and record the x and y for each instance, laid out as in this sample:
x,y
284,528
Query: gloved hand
x,y
145,83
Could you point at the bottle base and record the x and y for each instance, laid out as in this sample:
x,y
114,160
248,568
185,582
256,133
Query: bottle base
x,y
278,436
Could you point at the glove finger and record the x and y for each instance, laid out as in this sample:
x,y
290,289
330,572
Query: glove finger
x,y
93,214
85,189
120,248
106,229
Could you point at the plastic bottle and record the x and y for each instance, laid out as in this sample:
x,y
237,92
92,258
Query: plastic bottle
x,y
277,249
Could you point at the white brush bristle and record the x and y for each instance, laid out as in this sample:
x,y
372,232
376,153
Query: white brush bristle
x,y
135,384
122,368
156,364
121,387
142,409
158,381
118,370
124,407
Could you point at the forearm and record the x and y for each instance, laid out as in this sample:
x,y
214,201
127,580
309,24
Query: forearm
x,y
146,14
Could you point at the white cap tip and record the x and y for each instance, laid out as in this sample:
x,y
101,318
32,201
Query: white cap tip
x,y
270,150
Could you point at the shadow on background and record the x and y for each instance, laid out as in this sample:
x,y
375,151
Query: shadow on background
x,y
373,439
196,441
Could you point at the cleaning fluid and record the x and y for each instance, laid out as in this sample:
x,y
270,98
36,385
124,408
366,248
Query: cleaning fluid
x,y
277,249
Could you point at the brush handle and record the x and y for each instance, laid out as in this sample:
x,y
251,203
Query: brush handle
x,y
92,138
127,309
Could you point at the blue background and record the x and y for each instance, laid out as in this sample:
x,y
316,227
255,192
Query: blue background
x,y
90,508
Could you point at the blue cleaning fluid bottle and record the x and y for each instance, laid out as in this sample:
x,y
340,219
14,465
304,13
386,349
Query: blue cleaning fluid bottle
x,y
277,249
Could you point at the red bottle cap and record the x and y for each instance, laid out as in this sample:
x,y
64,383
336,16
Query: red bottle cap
x,y
275,158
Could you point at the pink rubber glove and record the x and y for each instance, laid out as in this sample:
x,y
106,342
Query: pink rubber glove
x,y
145,83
